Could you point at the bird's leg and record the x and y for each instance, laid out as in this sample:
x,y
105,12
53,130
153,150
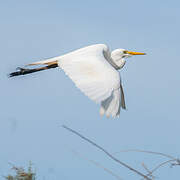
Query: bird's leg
x,y
23,71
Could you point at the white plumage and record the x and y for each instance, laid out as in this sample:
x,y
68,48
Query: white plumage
x,y
94,70
94,76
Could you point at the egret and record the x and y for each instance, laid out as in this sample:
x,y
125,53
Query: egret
x,y
94,70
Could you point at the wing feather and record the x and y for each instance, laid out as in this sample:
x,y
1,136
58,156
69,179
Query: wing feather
x,y
91,72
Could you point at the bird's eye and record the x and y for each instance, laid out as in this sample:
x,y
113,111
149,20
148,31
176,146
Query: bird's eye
x,y
125,52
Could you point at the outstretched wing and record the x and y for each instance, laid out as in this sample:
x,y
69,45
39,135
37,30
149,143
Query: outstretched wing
x,y
90,71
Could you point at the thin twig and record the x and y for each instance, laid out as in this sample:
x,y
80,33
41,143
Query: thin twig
x,y
107,153
172,159
149,172
145,167
160,165
150,152
97,164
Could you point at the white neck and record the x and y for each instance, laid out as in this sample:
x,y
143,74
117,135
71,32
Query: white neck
x,y
117,61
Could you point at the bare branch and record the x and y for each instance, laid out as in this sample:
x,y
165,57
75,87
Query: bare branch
x,y
149,172
107,153
172,159
97,164
146,168
150,152
161,164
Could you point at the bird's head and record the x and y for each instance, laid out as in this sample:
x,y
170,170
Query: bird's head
x,y
118,56
122,53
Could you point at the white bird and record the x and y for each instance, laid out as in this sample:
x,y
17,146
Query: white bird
x,y
94,70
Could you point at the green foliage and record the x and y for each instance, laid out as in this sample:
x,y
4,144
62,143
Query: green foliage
x,y
21,174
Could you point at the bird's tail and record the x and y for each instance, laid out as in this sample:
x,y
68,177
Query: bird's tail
x,y
50,63
113,104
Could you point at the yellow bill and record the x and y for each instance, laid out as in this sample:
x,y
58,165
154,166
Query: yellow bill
x,y
135,53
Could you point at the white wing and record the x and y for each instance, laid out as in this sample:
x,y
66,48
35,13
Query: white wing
x,y
93,75
91,72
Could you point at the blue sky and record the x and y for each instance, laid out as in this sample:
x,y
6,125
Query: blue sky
x,y
34,107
